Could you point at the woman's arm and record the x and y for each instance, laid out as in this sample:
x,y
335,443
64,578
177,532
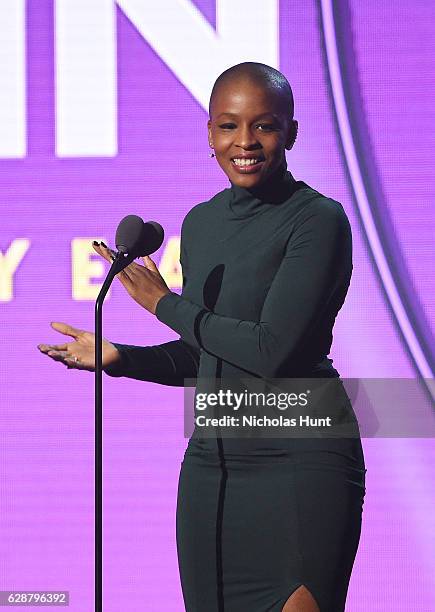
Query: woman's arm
x,y
168,364
317,264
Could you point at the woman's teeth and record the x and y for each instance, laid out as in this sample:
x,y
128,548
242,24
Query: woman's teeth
x,y
245,162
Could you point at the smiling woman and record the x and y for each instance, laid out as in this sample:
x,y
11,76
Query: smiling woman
x,y
263,523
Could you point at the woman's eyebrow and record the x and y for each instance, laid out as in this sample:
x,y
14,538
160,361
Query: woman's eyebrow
x,y
257,117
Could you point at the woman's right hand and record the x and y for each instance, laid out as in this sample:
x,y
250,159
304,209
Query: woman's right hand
x,y
80,353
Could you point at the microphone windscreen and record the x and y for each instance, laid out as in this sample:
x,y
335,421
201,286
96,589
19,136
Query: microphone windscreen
x,y
129,234
152,238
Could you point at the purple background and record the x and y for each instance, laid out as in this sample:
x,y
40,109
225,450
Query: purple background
x,y
162,169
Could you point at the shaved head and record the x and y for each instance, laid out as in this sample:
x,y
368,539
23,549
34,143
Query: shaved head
x,y
262,75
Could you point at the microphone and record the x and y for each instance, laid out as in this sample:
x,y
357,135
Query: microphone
x,y
134,238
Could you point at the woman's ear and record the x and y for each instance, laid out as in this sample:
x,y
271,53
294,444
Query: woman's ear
x,y
293,134
210,141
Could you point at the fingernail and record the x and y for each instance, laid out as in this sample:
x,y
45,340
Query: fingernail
x,y
95,243
104,245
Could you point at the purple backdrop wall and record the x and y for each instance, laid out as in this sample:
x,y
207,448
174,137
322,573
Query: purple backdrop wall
x,y
159,170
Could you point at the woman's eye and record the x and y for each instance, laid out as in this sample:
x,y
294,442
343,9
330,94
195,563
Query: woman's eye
x,y
266,126
226,126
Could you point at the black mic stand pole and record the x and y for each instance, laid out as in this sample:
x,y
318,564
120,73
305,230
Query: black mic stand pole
x,y
120,261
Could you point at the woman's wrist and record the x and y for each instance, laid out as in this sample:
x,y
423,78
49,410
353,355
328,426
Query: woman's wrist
x,y
111,356
116,363
159,299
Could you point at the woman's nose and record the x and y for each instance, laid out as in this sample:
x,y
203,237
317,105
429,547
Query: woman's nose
x,y
246,138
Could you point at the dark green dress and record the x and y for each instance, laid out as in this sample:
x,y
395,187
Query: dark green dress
x,y
264,276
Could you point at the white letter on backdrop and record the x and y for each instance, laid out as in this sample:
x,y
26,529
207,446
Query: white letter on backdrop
x,y
86,110
12,79
86,82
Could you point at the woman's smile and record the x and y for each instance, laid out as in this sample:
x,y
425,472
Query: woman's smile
x,y
247,165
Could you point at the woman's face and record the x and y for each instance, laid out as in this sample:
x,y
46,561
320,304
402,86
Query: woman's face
x,y
248,122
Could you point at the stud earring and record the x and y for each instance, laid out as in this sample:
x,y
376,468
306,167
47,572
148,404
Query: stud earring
x,y
211,154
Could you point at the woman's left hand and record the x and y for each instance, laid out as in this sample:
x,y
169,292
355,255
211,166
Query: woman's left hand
x,y
145,284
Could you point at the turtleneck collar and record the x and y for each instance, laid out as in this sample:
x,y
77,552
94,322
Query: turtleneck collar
x,y
279,186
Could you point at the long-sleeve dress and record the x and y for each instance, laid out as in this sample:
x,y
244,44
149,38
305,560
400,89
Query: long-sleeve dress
x,y
264,276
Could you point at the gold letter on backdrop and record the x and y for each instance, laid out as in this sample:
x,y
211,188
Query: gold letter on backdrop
x,y
84,268
9,262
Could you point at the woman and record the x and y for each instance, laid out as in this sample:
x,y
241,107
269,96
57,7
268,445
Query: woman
x,y
262,524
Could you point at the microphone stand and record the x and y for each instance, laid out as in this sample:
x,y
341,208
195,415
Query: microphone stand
x,y
120,261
